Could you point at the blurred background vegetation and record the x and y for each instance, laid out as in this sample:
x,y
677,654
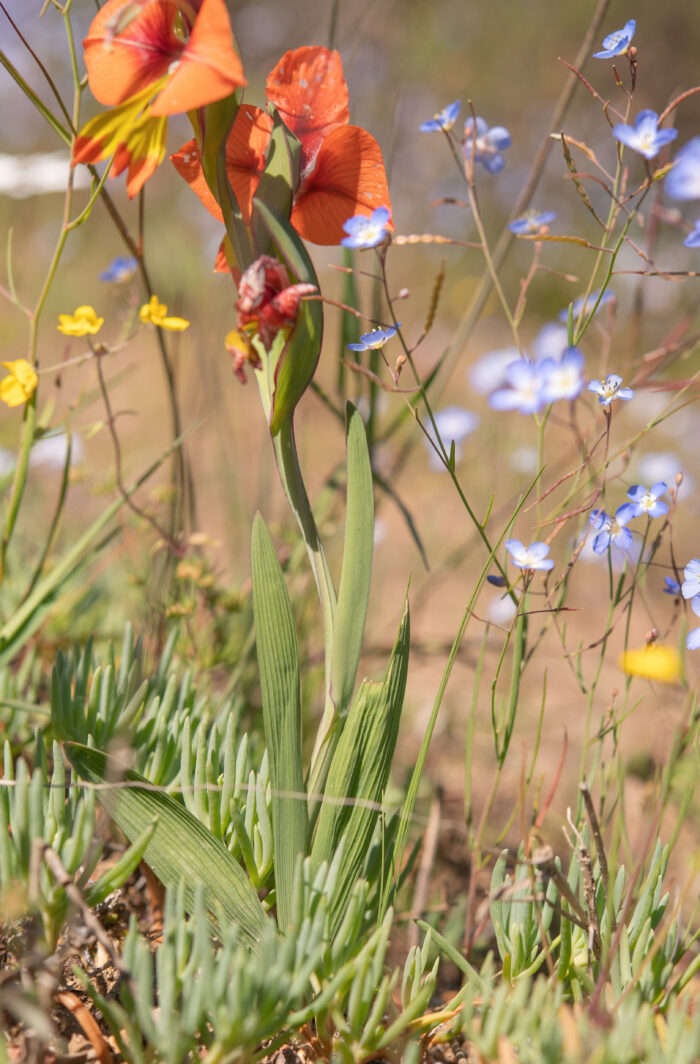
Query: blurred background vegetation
x,y
403,62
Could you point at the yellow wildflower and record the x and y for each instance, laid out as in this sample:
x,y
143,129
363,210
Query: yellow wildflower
x,y
84,321
19,385
156,312
654,661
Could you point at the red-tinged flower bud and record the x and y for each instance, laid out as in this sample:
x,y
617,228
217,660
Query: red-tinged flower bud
x,y
267,300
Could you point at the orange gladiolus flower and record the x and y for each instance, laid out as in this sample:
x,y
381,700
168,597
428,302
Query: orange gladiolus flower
x,y
131,45
342,172
245,161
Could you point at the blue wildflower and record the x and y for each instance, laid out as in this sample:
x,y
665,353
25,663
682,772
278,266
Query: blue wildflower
x,y
562,378
443,120
611,531
691,584
489,371
648,500
693,238
120,270
671,586
644,136
523,388
683,179
551,341
487,146
366,232
531,222
532,557
610,389
618,42
375,339
583,306
453,425
693,639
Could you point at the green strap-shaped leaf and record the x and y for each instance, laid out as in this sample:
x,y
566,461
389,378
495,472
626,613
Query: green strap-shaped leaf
x,y
297,363
278,660
214,123
353,593
278,181
181,848
359,773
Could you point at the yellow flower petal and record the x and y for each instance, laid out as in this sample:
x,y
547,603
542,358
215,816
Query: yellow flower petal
x,y
153,310
174,324
155,313
84,321
653,661
20,383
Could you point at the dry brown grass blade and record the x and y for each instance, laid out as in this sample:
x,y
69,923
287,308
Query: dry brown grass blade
x,y
88,1024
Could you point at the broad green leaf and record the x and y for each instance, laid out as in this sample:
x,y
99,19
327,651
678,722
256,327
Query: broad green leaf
x,y
181,848
278,660
353,593
299,357
359,772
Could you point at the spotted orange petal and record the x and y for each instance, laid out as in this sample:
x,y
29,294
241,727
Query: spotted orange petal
x,y
210,68
308,89
130,45
347,179
245,160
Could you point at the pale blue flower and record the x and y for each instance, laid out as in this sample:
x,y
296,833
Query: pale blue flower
x,y
562,378
374,340
453,425
693,639
120,270
532,557
691,584
611,530
644,136
648,500
531,222
488,145
683,179
489,371
443,120
583,306
693,238
618,42
610,389
366,232
551,342
523,390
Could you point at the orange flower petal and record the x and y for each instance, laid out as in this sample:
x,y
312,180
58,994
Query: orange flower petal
x,y
245,161
188,163
309,90
130,45
209,69
347,179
